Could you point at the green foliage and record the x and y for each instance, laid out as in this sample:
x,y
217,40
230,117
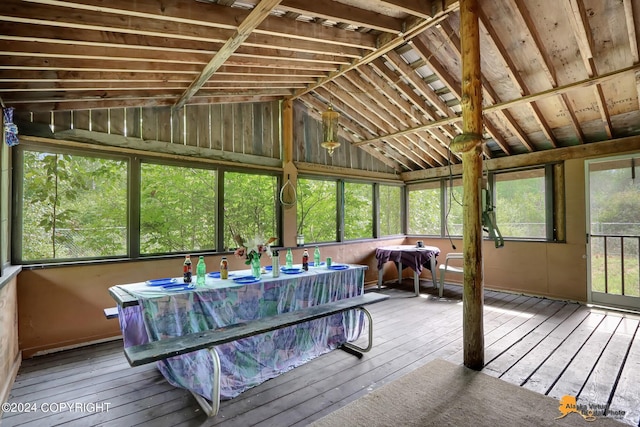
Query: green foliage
x,y
177,209
520,207
68,202
250,206
615,202
317,210
424,211
358,210
390,210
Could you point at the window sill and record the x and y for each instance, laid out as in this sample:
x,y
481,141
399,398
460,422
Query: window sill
x,y
9,273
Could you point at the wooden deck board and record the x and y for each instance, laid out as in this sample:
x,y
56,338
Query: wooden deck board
x,y
538,342
604,377
552,368
530,362
581,365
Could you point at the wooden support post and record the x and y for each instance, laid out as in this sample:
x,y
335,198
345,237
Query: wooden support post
x,y
470,145
289,171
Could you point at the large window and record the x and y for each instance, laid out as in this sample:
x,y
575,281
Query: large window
x,y
317,210
521,203
390,210
424,209
177,209
358,211
250,207
453,207
73,206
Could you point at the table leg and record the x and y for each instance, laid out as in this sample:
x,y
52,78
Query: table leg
x,y
432,267
416,283
379,278
400,273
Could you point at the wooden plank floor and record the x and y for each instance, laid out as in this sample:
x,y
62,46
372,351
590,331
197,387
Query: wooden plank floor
x,y
551,347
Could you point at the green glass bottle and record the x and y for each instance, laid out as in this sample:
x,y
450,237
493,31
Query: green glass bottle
x,y
316,257
201,271
289,258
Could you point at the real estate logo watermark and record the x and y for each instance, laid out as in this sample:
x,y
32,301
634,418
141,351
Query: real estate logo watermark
x,y
590,412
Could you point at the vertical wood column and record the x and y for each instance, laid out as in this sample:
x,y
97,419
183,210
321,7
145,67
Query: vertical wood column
x,y
469,143
289,225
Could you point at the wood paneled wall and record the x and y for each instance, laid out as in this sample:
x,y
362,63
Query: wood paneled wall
x,y
238,128
9,351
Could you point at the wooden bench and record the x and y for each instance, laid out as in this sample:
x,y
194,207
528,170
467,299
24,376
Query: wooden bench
x,y
158,350
111,312
446,268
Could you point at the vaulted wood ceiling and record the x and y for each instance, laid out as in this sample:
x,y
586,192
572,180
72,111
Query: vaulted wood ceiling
x,y
555,73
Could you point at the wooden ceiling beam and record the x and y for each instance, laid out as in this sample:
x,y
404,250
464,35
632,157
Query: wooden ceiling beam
x,y
368,95
255,17
134,103
547,64
351,107
183,13
435,137
577,16
489,94
131,53
394,79
578,19
349,129
423,9
560,90
399,108
339,92
348,111
385,47
139,30
632,34
339,12
518,81
426,54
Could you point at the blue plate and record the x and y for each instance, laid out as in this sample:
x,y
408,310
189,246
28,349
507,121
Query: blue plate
x,y
286,270
216,274
246,279
161,282
179,287
268,268
338,267
312,264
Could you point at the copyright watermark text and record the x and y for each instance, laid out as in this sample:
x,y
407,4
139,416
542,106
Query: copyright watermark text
x,y
55,407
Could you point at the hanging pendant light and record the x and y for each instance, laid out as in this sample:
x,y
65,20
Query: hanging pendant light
x,y
330,130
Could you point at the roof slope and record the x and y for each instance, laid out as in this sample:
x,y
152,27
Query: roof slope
x,y
555,74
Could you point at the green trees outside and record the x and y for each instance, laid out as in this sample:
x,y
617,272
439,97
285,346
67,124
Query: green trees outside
x,y
249,207
177,209
615,201
390,210
73,206
424,210
358,210
520,204
614,195
317,210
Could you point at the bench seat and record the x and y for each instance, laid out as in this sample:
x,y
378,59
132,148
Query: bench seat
x,y
111,312
158,350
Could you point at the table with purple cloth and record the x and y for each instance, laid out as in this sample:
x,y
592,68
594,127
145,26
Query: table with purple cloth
x,y
408,256
250,361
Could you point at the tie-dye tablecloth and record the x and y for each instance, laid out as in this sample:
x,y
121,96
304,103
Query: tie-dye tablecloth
x,y
248,362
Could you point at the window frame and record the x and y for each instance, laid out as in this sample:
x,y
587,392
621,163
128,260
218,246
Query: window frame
x,y
133,163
